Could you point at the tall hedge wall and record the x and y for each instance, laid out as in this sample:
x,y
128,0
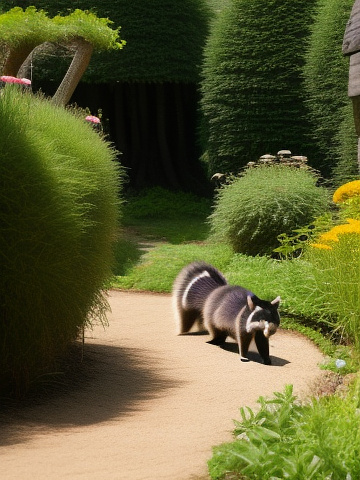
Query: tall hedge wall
x,y
326,83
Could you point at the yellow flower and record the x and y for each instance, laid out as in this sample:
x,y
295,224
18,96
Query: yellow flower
x,y
321,246
329,237
353,221
353,226
348,190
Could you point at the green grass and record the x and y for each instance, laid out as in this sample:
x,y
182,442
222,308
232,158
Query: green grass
x,y
158,267
337,277
175,231
155,268
177,228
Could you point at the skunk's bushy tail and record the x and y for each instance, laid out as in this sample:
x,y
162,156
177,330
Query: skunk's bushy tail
x,y
190,290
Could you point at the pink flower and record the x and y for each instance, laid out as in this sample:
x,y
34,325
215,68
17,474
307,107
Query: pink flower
x,y
92,119
10,79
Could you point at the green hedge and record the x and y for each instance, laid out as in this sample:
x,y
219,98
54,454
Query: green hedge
x,y
252,84
59,211
326,84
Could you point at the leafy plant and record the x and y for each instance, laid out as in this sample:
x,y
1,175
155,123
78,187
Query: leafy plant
x,y
265,202
293,245
287,439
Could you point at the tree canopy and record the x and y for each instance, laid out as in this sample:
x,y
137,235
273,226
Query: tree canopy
x,y
164,39
21,31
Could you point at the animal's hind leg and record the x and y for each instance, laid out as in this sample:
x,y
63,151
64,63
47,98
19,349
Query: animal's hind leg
x,y
262,344
186,320
219,337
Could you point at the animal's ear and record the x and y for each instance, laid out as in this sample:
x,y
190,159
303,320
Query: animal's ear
x,y
276,302
250,303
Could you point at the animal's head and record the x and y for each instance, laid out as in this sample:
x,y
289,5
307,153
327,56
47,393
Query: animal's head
x,y
263,315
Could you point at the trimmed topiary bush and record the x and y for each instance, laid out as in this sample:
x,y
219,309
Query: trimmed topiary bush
x,y
266,201
252,87
58,217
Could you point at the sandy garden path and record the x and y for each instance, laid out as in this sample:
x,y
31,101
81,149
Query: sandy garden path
x,y
154,404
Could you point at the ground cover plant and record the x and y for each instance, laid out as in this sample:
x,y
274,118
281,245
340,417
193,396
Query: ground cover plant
x,y
289,439
59,216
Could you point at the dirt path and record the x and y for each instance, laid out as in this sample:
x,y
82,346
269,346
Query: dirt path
x,y
154,404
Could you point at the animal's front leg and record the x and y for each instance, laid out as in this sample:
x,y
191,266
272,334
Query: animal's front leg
x,y
244,343
262,344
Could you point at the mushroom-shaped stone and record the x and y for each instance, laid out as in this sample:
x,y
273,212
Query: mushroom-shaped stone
x,y
267,158
251,164
284,153
218,179
299,158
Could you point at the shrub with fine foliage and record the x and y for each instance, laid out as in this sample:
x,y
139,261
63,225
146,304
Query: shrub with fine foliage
x,y
253,210
58,217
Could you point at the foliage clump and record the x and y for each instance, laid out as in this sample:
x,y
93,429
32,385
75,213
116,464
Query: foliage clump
x,y
252,211
58,215
287,439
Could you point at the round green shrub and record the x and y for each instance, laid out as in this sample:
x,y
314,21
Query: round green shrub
x,y
58,218
266,201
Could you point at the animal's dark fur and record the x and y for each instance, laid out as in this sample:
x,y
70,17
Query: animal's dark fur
x,y
201,293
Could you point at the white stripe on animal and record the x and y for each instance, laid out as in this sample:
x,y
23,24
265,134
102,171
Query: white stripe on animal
x,y
249,319
205,273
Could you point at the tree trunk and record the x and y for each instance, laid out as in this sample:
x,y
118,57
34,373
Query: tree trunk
x,y
16,58
75,71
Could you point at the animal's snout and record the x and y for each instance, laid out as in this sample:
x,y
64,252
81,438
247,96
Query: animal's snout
x,y
269,329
